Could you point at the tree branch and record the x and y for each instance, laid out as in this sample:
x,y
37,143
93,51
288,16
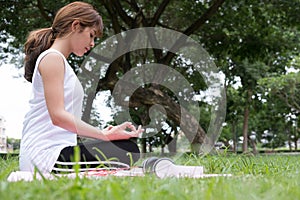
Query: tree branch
x,y
115,23
153,96
42,10
127,19
159,12
140,17
191,29
208,14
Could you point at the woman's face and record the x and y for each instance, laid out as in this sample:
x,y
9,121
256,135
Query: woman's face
x,y
83,40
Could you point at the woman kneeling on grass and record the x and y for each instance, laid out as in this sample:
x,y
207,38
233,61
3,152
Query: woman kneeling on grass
x,y
53,122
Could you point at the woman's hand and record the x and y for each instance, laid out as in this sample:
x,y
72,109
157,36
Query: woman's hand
x,y
122,132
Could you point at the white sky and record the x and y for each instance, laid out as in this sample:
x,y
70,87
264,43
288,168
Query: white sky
x,y
14,96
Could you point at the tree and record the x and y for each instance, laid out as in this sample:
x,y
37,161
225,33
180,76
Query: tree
x,y
126,15
254,40
285,87
247,40
15,143
284,90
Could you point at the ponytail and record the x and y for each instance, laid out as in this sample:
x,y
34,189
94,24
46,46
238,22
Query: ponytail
x,y
37,42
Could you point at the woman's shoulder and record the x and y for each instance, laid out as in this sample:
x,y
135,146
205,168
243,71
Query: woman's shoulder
x,y
51,56
51,59
51,53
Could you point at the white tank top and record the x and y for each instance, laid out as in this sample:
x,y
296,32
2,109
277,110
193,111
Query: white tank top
x,y
42,141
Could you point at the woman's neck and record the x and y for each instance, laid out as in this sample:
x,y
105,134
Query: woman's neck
x,y
62,46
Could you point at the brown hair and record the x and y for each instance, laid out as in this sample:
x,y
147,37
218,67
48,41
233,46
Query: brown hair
x,y
42,39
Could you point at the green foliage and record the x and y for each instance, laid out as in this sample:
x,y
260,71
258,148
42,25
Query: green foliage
x,y
283,91
285,88
14,142
253,41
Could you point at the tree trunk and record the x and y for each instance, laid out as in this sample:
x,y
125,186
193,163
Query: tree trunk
x,y
150,148
172,146
162,149
246,121
152,96
245,129
86,116
290,144
144,146
253,143
234,136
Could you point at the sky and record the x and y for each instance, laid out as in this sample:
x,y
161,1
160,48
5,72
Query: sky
x,y
14,97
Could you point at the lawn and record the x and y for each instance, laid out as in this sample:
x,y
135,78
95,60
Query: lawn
x,y
254,177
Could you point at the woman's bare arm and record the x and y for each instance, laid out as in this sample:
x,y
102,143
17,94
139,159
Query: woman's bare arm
x,y
52,70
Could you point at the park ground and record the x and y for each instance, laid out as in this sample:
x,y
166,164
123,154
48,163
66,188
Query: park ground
x,y
253,177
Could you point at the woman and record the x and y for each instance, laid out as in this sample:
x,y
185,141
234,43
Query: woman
x,y
53,122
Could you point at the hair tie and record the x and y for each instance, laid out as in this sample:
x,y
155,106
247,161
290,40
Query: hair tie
x,y
52,29
53,33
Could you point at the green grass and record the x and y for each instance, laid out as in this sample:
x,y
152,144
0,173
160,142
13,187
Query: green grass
x,y
254,177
